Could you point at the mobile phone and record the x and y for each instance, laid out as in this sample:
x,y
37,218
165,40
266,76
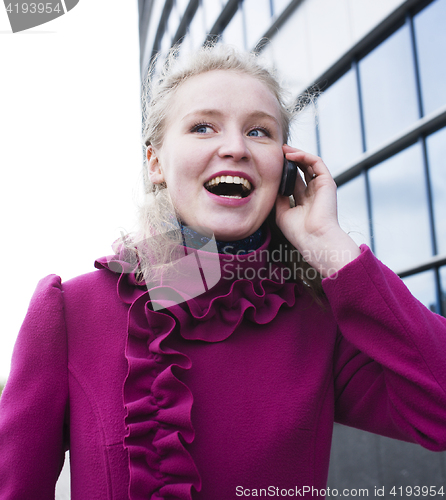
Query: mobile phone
x,y
289,176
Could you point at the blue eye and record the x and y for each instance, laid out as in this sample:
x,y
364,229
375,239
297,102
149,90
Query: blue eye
x,y
202,128
258,132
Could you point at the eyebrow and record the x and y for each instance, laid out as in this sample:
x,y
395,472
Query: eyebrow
x,y
217,113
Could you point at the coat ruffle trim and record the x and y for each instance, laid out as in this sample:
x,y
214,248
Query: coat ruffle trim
x,y
158,405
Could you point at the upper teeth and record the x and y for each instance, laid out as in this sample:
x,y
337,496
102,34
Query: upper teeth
x,y
229,179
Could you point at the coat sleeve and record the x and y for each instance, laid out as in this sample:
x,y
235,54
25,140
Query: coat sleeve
x,y
390,362
34,402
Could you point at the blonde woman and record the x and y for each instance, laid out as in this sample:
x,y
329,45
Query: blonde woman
x,y
207,359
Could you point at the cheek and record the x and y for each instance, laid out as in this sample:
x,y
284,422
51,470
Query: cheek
x,y
180,201
272,165
181,186
273,174
178,193
184,166
271,180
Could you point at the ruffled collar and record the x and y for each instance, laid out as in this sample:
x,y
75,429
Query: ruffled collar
x,y
206,300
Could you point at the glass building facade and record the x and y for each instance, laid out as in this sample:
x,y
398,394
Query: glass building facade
x,y
379,124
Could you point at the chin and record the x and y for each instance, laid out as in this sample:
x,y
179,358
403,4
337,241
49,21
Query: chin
x,y
226,228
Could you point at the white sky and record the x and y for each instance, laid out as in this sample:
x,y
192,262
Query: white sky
x,y
70,154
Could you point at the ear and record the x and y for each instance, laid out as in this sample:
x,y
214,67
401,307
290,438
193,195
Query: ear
x,y
154,171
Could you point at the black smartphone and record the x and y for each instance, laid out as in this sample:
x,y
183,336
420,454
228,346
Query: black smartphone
x,y
289,176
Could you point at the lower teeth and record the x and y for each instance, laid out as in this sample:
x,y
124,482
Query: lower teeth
x,y
227,196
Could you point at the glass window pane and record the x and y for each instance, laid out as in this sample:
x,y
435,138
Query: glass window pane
x,y
173,22
436,153
186,45
388,89
289,49
279,6
303,130
339,123
430,35
352,210
166,42
422,286
181,6
212,9
257,19
234,32
443,290
399,210
157,9
196,29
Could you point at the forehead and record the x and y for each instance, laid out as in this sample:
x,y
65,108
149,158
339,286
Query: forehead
x,y
226,90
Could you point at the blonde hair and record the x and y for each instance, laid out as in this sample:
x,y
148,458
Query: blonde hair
x,y
159,229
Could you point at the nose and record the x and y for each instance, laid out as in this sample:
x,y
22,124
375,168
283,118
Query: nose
x,y
234,146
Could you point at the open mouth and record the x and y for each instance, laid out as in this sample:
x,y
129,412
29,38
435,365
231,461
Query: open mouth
x,y
229,186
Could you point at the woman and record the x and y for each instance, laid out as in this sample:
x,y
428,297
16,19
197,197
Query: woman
x,y
169,376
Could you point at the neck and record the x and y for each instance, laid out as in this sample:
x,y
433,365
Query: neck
x,y
193,239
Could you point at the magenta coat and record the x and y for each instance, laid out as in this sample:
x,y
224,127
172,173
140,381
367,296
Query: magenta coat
x,y
234,390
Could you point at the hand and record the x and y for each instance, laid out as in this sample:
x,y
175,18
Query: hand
x,y
312,225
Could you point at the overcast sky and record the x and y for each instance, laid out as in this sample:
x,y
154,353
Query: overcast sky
x,y
70,154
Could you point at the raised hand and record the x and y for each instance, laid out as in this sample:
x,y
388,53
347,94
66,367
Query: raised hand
x,y
312,225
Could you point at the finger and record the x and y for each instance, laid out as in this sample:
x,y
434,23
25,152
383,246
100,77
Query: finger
x,y
310,164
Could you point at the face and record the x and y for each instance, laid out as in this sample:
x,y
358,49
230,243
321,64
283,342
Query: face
x,y
221,156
